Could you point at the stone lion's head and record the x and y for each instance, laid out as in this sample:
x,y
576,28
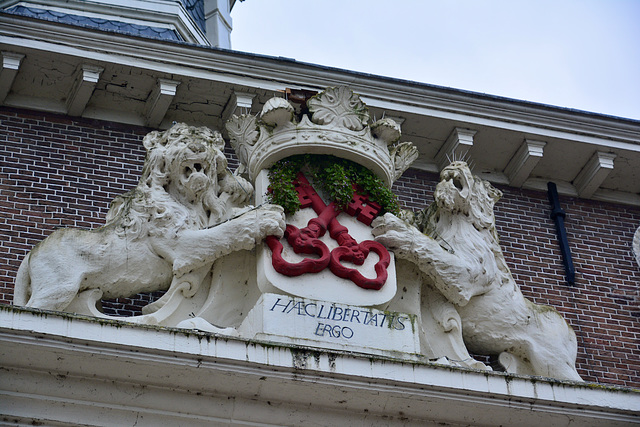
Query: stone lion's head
x,y
460,192
185,168
186,161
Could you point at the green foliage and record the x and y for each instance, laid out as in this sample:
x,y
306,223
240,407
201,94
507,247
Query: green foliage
x,y
335,177
281,189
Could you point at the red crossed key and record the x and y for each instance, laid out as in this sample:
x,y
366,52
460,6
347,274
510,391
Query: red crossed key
x,y
306,240
363,209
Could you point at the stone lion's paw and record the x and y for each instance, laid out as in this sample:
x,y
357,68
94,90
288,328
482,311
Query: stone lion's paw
x,y
392,240
270,221
391,231
237,189
387,223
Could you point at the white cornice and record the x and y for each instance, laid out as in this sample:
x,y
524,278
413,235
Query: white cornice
x,y
570,133
274,74
167,369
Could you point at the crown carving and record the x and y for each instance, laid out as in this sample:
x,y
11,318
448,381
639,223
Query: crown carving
x,y
338,124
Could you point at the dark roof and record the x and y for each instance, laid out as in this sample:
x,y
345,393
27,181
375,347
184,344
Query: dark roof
x,y
97,23
195,8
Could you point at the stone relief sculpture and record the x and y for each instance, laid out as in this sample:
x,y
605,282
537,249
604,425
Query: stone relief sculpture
x,y
338,125
324,276
467,266
164,234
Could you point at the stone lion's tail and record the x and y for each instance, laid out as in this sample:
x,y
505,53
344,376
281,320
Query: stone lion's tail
x,y
22,287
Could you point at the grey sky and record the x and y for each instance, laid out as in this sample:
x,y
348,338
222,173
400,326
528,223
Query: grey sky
x,y
582,54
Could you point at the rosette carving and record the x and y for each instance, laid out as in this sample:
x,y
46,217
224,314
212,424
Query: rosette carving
x,y
339,106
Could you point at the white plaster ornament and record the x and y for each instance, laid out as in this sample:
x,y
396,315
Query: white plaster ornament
x,y
187,227
338,126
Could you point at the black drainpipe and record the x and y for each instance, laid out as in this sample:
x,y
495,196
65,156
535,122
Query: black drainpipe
x,y
558,215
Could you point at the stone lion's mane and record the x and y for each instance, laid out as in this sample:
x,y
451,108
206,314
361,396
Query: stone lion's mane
x,y
478,211
450,228
149,202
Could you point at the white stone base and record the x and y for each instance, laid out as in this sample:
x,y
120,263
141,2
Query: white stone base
x,y
61,369
312,323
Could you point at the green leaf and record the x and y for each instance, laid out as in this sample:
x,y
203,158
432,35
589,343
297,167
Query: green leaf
x,y
335,176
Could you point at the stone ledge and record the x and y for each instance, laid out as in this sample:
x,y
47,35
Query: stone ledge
x,y
57,366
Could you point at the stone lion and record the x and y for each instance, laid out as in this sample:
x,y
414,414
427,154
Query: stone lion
x,y
463,260
167,232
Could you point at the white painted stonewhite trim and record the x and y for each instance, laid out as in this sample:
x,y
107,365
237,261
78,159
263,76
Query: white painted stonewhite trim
x,y
455,147
218,22
523,162
594,172
241,100
275,74
61,365
86,80
10,66
159,101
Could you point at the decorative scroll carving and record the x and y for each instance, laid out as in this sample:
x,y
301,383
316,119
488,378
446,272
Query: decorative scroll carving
x,y
243,128
496,318
403,155
164,234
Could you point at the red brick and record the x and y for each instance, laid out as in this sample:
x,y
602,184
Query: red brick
x,y
60,171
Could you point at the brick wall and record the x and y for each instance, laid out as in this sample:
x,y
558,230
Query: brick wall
x,y
63,172
58,172
602,306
